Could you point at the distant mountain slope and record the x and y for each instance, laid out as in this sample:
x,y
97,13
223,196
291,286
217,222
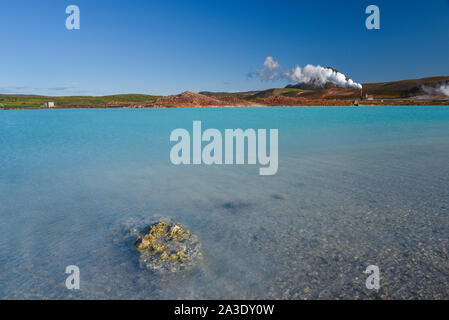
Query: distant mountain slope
x,y
403,88
391,89
256,95
415,89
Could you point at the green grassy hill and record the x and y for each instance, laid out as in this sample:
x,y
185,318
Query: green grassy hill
x,y
36,101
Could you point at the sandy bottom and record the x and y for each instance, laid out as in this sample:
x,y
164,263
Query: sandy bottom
x,y
307,233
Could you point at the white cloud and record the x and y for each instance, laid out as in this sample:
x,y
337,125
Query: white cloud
x,y
269,71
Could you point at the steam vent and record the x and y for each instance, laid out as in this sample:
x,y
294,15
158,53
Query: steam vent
x,y
167,246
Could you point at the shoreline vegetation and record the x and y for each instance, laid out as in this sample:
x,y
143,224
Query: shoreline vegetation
x,y
407,92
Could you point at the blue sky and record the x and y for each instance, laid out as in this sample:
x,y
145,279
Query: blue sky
x,y
165,47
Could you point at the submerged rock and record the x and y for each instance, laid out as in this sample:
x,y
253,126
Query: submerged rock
x,y
280,196
236,205
167,246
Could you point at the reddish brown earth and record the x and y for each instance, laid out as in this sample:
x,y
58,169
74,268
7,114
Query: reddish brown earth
x,y
187,99
192,99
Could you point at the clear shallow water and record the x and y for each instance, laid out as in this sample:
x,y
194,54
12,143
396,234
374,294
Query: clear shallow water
x,y
355,186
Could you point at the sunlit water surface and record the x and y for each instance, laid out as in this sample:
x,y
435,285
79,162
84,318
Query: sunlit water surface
x,y
355,187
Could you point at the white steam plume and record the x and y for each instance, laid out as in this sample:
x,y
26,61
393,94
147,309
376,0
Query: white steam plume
x,y
317,75
314,75
445,89
442,90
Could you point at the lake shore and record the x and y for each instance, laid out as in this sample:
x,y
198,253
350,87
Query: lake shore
x,y
336,104
330,97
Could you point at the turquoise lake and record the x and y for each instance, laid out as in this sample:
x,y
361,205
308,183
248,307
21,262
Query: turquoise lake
x,y
355,187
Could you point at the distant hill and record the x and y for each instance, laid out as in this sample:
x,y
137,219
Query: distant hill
x,y
403,88
404,92
382,90
17,100
391,89
256,95
413,91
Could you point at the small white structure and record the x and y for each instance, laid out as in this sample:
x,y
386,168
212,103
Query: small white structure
x,y
49,105
369,97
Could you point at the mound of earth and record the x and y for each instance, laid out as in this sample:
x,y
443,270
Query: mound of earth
x,y
167,246
188,99
192,99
